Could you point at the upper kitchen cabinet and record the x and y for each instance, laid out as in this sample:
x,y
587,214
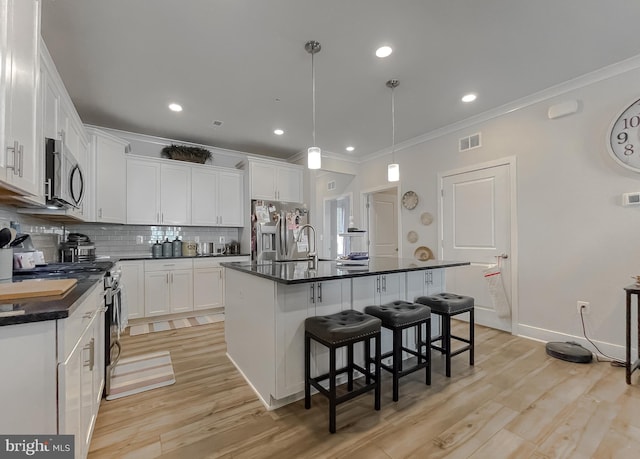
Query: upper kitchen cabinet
x,y
158,192
217,197
19,63
275,181
108,166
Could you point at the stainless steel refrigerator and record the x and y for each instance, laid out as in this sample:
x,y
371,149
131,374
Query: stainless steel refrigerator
x,y
275,227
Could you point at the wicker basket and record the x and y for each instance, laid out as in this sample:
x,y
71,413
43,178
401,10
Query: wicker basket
x,y
184,153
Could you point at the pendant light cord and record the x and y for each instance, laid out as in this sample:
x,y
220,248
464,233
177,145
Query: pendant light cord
x,y
393,125
313,97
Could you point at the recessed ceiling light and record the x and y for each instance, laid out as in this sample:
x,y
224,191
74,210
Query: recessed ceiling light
x,y
469,98
384,51
350,148
278,132
175,107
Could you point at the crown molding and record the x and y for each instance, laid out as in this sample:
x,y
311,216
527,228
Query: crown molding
x,y
587,79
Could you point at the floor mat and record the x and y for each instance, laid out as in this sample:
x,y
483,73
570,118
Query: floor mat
x,y
174,324
141,373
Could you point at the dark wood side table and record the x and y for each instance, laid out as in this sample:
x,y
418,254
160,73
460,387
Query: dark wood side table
x,y
632,366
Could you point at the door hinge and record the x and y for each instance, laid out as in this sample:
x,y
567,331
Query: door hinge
x,y
442,192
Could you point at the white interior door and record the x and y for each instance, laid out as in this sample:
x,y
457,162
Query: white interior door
x,y
476,227
383,224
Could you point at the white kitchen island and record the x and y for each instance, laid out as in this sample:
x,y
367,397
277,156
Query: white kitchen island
x,y
266,305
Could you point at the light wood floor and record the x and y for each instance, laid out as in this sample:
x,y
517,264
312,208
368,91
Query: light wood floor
x,y
516,402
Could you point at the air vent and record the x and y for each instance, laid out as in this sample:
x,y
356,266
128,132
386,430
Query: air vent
x,y
469,143
216,123
331,185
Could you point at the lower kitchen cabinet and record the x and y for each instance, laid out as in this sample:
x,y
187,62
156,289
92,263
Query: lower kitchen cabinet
x,y
168,287
53,374
294,304
208,284
132,280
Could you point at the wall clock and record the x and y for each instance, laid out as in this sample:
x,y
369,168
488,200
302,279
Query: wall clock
x,y
624,138
410,200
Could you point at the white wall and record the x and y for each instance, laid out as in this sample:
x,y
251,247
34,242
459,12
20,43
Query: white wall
x,y
575,240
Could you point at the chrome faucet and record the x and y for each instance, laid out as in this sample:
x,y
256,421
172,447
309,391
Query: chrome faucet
x,y
313,256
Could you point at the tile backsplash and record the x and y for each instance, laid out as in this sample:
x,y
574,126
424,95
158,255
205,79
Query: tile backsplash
x,y
136,240
109,239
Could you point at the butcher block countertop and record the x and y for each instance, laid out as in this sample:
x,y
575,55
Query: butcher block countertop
x,y
20,311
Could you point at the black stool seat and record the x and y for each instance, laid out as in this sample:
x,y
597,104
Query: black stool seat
x,y
398,316
447,305
399,313
342,326
343,329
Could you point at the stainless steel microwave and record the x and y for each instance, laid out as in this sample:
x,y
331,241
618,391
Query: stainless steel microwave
x,y
64,180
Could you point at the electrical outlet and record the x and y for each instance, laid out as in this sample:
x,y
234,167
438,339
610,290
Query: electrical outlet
x,y
583,306
221,239
196,239
139,240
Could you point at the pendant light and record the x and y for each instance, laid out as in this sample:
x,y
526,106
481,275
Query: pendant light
x,y
314,155
393,169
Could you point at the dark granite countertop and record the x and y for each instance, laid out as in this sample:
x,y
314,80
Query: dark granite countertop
x,y
149,257
49,307
298,272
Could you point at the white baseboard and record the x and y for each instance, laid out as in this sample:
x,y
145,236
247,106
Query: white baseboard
x,y
540,334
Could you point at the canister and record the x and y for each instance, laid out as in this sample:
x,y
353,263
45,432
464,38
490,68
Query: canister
x,y
189,248
177,247
167,248
156,250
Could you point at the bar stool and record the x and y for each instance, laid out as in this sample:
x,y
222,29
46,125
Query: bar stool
x,y
398,316
335,331
447,305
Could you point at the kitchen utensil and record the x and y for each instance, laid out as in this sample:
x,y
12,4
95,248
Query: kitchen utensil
x,y
5,237
19,240
36,287
14,233
423,253
205,248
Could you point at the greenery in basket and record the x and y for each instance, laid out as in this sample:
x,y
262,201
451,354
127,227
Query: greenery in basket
x,y
184,153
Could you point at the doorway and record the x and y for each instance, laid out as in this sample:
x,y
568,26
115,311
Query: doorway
x,y
478,215
337,212
382,222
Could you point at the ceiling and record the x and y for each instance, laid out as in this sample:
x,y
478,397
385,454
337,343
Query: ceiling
x,y
243,62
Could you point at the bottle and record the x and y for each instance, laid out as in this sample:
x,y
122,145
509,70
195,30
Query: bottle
x,y
156,250
167,248
177,247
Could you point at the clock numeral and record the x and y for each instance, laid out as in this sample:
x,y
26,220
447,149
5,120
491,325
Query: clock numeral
x,y
628,150
622,138
632,122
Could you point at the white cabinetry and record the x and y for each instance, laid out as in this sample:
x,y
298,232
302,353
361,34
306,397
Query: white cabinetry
x,y
143,191
19,73
274,181
383,289
427,282
54,373
108,170
132,279
208,284
175,194
294,304
217,197
168,287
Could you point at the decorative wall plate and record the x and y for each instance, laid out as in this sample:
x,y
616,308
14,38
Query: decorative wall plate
x,y
426,218
423,253
410,200
412,237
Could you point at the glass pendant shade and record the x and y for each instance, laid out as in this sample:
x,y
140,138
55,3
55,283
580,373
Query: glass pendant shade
x,y
393,172
314,158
